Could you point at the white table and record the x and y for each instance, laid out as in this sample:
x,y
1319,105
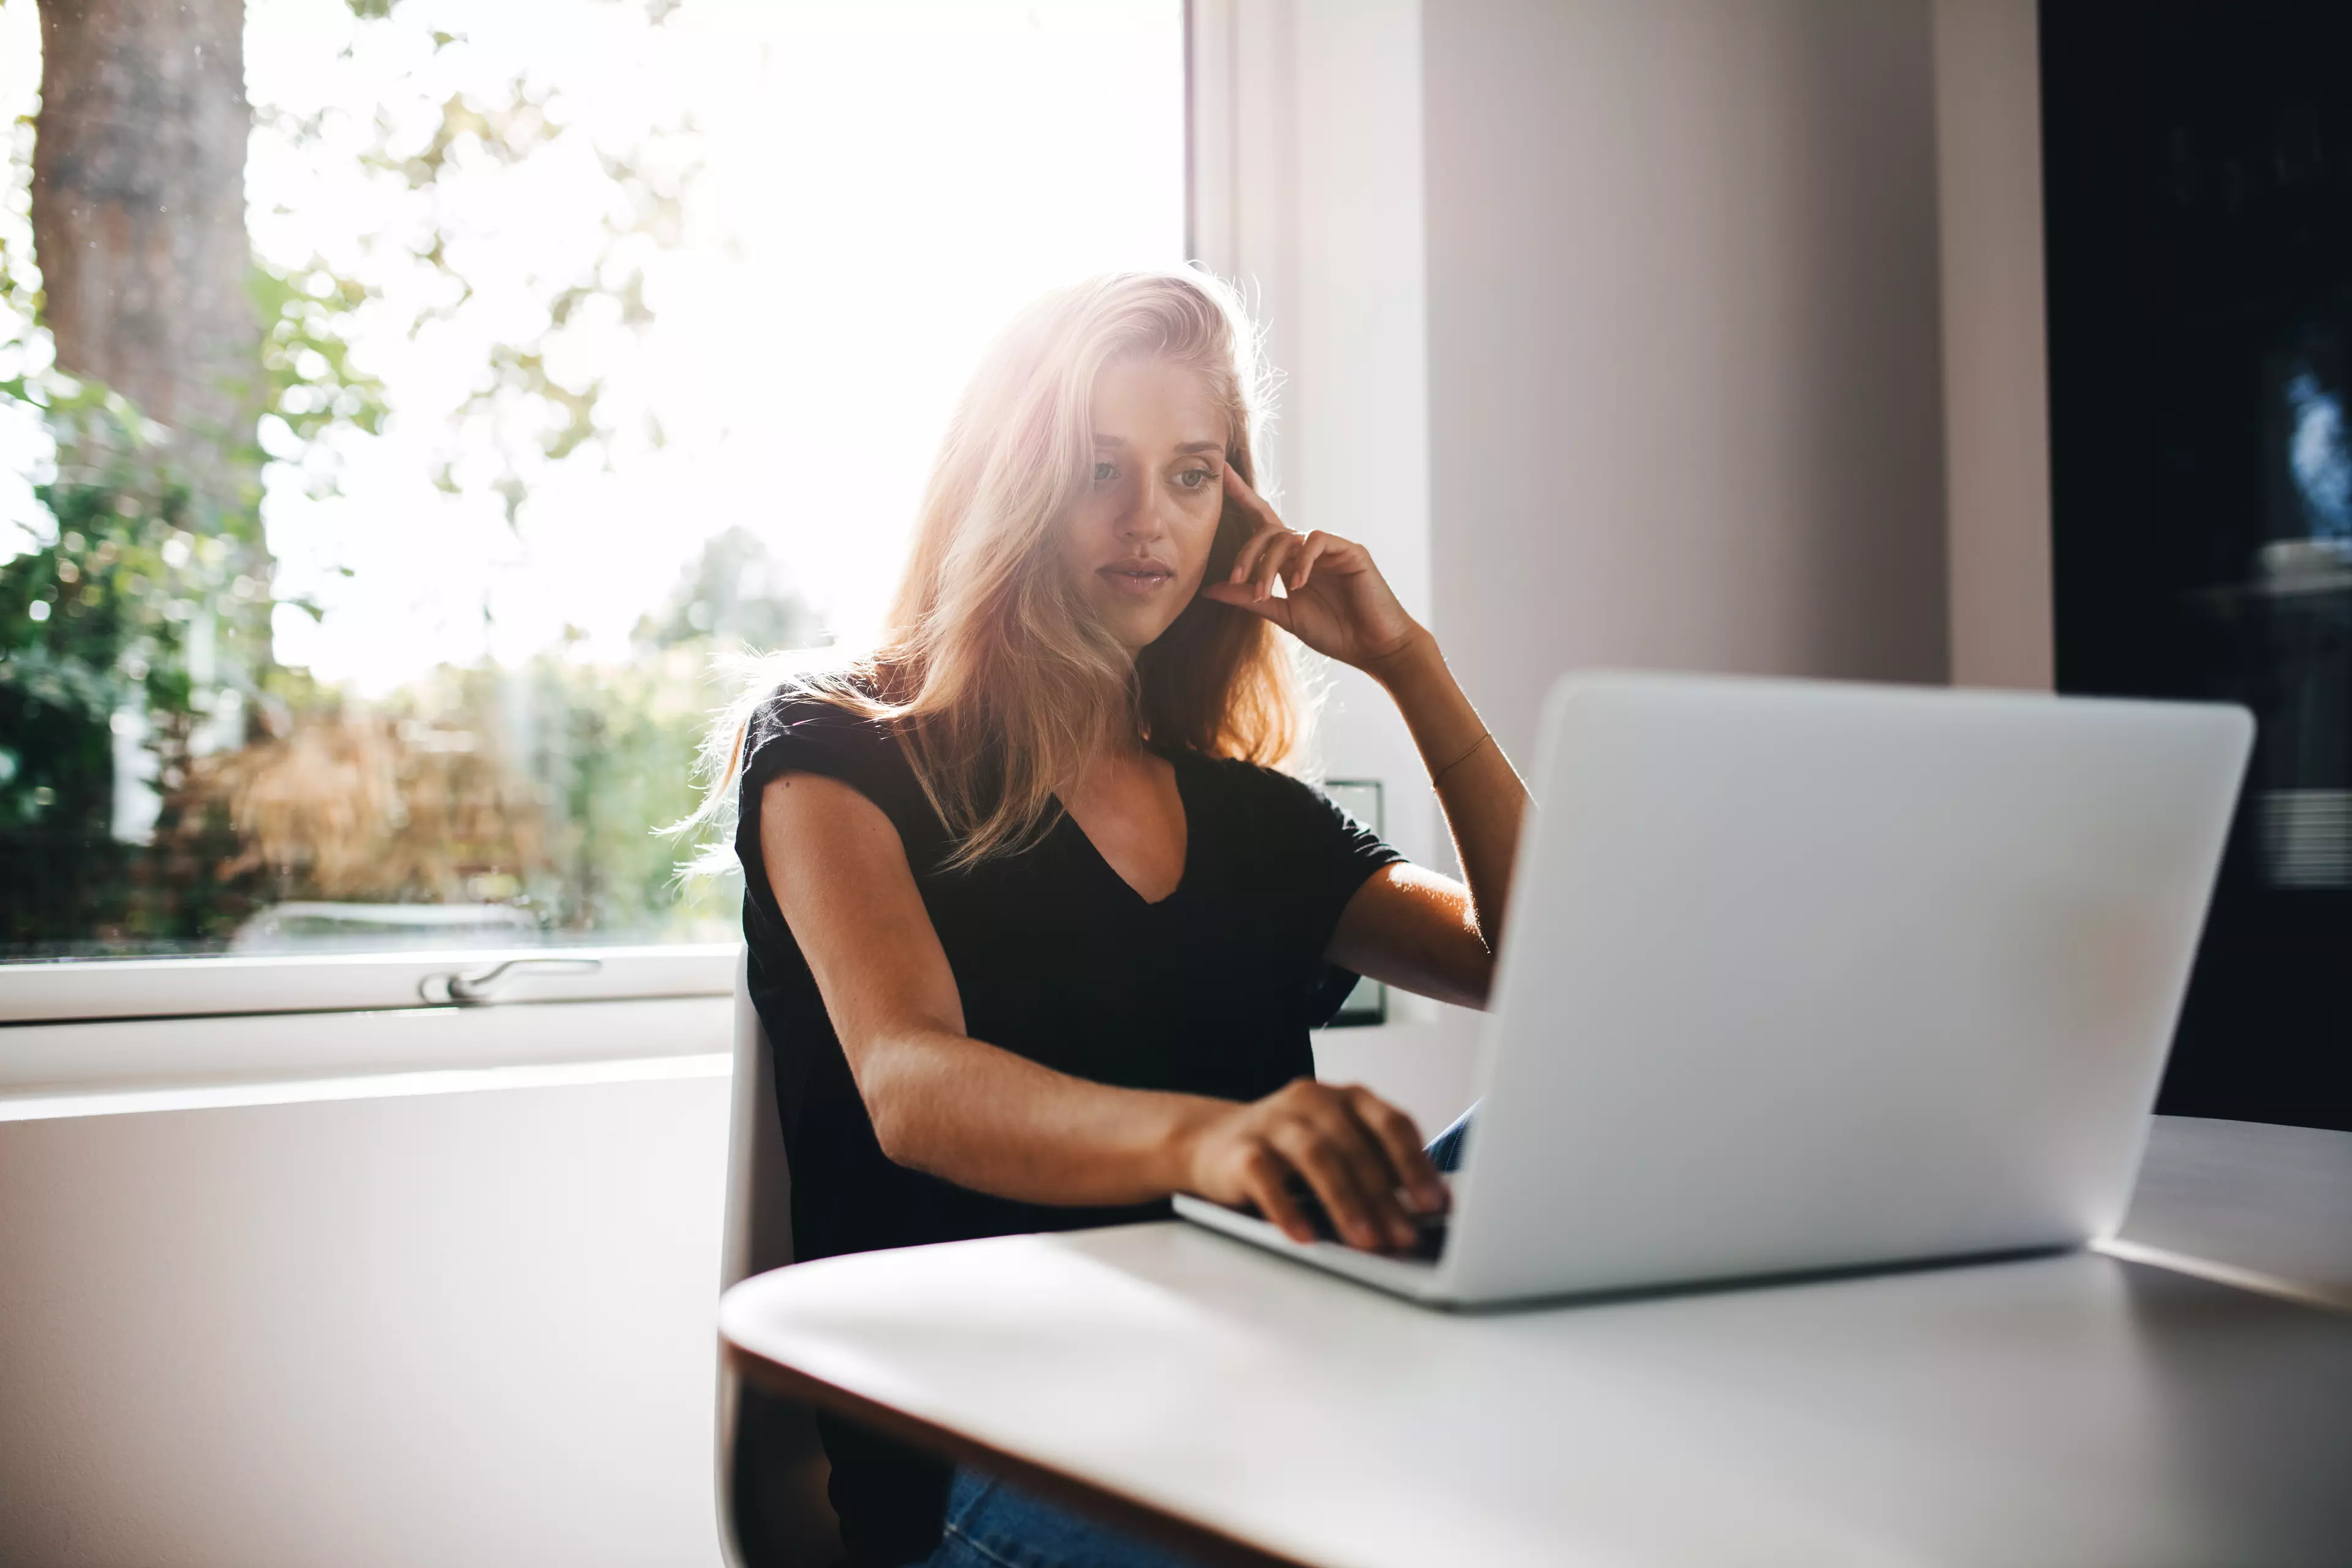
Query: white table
x,y
2070,1409
2266,1207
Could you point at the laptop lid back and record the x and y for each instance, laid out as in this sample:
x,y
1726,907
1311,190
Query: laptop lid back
x,y
1802,975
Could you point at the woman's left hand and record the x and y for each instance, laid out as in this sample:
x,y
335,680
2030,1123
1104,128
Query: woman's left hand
x,y
1339,605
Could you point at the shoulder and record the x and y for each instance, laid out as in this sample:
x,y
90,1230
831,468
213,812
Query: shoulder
x,y
797,730
795,715
1261,793
794,704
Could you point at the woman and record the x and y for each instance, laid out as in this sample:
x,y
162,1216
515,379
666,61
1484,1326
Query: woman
x,y
1036,928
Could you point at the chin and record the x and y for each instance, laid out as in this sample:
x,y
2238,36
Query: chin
x,y
1133,631
1134,638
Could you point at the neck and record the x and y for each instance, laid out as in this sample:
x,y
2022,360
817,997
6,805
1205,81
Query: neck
x,y
1110,758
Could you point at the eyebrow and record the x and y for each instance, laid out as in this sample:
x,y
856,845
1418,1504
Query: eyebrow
x,y
1120,442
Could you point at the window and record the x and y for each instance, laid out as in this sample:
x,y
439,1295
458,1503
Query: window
x,y
371,600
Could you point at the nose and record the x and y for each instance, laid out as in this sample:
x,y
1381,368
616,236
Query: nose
x,y
1144,523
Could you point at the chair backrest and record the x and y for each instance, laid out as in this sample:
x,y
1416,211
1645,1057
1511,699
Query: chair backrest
x,y
772,1469
759,1234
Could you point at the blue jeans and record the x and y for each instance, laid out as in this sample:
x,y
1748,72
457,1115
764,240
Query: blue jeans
x,y
992,1525
1448,1148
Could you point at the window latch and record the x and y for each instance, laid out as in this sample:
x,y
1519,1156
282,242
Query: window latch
x,y
479,990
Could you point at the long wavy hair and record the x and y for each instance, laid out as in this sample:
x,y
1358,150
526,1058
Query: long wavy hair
x,y
992,669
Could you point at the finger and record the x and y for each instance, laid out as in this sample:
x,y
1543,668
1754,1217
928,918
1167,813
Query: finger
x,y
1242,596
1314,1157
1266,1180
1269,562
1370,1167
1401,1142
1351,1202
1302,565
1245,558
1249,501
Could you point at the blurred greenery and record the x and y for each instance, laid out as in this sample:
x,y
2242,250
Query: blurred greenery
x,y
538,786
164,781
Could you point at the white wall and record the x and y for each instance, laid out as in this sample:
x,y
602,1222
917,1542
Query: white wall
x,y
1308,192
1720,322
468,1325
1683,370
1996,389
451,1317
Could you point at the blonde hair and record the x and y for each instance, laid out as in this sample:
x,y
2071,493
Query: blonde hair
x,y
992,670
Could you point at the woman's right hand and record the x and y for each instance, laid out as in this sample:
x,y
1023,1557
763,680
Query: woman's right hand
x,y
1357,1153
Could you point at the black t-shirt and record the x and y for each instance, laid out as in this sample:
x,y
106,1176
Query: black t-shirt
x,y
1211,991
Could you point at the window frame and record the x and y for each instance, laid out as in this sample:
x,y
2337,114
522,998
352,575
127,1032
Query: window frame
x,y
97,989
105,990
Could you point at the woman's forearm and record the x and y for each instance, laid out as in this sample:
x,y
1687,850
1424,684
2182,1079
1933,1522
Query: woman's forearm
x,y
985,1118
989,1120
1478,789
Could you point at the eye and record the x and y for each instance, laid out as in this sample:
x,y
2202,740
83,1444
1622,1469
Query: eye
x,y
1194,478
1106,473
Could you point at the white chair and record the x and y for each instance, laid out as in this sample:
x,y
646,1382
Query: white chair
x,y
771,1471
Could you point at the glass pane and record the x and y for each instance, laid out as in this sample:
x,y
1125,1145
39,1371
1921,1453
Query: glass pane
x,y
364,562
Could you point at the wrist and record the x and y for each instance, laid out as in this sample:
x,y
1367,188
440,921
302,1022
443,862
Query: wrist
x,y
1410,663
1180,1148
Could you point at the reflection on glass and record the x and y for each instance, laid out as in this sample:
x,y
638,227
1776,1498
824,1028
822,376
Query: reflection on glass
x,y
2300,599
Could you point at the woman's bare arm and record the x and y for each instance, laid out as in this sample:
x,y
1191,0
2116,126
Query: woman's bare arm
x,y
1482,799
1413,928
985,1118
1416,928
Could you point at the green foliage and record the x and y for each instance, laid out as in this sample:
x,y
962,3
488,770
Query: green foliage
x,y
734,596
530,416
617,758
309,380
539,786
135,632
139,612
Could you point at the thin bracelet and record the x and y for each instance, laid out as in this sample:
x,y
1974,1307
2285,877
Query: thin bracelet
x,y
1436,777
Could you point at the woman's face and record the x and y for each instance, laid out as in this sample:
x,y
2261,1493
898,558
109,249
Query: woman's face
x,y
1138,540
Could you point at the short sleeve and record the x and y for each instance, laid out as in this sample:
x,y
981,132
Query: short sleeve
x,y
1324,856
803,735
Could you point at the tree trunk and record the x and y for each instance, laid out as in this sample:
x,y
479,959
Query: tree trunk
x,y
138,217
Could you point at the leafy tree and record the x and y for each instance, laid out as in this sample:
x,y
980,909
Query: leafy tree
x,y
120,626
733,595
161,777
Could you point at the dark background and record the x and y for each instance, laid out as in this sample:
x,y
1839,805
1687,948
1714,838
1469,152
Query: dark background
x,y
2198,192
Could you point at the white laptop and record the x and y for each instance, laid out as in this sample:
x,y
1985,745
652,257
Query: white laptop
x,y
1805,976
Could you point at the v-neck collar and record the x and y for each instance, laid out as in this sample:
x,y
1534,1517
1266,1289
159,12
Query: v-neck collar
x,y
1185,879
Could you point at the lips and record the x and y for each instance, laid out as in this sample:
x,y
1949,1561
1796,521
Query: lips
x,y
1141,576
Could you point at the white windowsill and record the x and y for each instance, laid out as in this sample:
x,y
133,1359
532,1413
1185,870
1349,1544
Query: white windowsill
x,y
123,988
